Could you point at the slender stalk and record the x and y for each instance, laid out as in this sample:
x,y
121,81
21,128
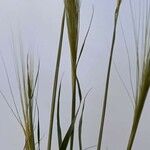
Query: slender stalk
x,y
108,76
55,84
73,103
59,131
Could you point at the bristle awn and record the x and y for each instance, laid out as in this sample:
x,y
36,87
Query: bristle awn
x,y
11,109
28,83
20,87
137,46
125,87
55,83
108,76
10,88
129,62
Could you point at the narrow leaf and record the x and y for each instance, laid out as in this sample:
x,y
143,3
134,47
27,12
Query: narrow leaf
x,y
38,128
59,133
80,123
79,89
87,33
55,83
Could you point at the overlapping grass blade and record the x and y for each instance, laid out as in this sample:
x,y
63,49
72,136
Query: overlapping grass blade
x,y
72,9
108,76
65,141
67,137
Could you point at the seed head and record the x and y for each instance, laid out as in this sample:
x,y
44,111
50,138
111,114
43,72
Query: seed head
x,y
118,2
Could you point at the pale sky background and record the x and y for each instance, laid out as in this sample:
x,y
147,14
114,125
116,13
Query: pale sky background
x,y
38,23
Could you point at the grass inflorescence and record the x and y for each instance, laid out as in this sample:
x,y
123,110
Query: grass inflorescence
x,y
143,69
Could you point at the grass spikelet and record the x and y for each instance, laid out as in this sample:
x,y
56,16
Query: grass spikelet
x,y
143,72
27,76
28,82
27,79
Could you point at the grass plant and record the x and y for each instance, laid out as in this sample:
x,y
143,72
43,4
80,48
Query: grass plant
x,y
27,75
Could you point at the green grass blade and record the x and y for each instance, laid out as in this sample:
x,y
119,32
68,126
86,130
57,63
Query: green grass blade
x,y
108,77
55,84
79,89
80,54
38,128
85,38
80,123
59,133
72,9
80,129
